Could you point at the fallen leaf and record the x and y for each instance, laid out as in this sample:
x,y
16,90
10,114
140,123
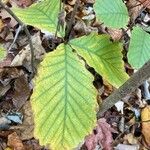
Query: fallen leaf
x,y
116,34
131,139
127,147
1,25
26,128
134,8
24,56
145,3
5,15
102,135
145,117
22,91
28,124
14,142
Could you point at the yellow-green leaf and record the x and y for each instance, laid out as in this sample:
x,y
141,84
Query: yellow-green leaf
x,y
2,52
113,13
102,54
63,100
43,15
139,48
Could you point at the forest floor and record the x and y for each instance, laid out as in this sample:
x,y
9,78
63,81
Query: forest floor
x,y
120,127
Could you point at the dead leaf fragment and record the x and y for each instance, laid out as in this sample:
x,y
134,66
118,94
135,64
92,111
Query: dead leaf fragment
x,y
102,136
5,15
145,117
134,9
14,142
21,91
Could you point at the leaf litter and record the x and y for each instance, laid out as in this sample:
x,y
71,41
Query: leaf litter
x,y
16,86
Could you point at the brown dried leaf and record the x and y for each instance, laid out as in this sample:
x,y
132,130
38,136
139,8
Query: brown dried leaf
x,y
134,9
14,142
5,15
21,3
21,91
101,136
1,25
26,128
145,117
24,56
116,34
145,3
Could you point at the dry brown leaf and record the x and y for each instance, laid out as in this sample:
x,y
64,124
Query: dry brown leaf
x,y
145,3
131,139
27,131
101,136
134,8
24,56
26,128
14,142
21,3
6,61
145,117
116,34
1,25
5,15
22,91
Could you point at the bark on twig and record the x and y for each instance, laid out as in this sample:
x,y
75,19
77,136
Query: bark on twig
x,y
129,86
26,31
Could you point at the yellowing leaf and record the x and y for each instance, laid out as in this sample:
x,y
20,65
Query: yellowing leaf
x,y
139,49
63,100
102,54
43,15
2,52
112,12
145,117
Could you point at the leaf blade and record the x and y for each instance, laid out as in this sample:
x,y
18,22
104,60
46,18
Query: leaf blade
x,y
113,13
43,15
69,97
139,50
103,55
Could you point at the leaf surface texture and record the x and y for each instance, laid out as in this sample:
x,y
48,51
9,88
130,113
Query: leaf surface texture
x,y
42,15
64,100
103,55
139,48
112,12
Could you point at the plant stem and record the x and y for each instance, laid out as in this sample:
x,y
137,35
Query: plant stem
x,y
26,31
69,28
129,86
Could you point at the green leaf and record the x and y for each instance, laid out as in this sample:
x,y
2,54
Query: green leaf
x,y
63,100
2,52
112,12
139,48
43,15
103,55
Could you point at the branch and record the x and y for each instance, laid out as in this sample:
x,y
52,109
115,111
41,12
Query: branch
x,y
26,31
129,86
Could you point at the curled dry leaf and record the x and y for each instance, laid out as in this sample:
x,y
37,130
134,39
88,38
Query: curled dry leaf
x,y
102,136
134,8
145,117
24,56
14,142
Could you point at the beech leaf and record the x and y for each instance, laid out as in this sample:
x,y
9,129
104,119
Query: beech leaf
x,y
63,100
